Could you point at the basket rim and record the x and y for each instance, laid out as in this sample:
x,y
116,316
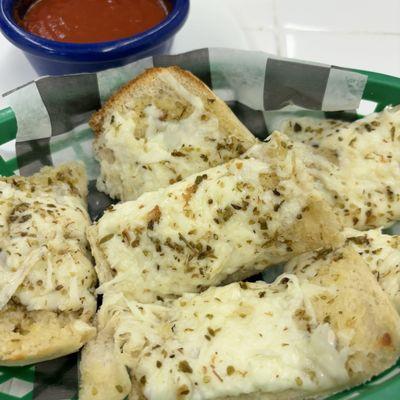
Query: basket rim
x,y
380,88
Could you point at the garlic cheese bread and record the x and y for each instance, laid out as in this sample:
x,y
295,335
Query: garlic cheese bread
x,y
361,171
294,339
46,274
160,128
303,127
218,226
379,251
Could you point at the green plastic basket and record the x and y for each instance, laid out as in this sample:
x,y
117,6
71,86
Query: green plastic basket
x,y
381,89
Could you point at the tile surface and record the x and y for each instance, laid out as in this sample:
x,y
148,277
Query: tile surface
x,y
355,33
340,15
367,51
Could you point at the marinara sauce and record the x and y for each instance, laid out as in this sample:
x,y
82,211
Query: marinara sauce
x,y
91,21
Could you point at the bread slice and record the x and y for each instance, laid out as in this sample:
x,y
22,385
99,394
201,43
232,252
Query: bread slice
x,y
29,337
306,129
226,223
102,372
361,168
297,338
379,251
47,277
160,128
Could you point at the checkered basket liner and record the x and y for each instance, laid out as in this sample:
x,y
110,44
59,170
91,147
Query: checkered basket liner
x,y
49,123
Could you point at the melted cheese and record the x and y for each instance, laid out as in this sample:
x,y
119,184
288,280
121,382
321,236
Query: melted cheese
x,y
232,218
44,264
168,151
304,127
380,252
238,339
382,255
361,171
11,278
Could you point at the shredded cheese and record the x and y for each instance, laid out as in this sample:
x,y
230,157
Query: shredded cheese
x,y
45,264
234,218
360,173
168,150
232,340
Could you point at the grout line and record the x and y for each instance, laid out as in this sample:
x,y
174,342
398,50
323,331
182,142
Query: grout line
x,y
340,32
273,29
258,28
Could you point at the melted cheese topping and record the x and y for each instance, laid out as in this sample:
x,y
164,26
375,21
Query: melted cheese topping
x,y
361,171
169,150
44,264
302,127
380,252
238,339
232,218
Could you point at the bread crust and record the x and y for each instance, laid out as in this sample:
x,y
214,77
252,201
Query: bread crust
x,y
147,79
139,84
43,220
161,127
359,166
29,337
344,295
380,251
200,208
101,371
362,308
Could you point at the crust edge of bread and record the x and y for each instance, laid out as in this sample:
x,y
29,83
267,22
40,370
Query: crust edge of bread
x,y
388,321
57,341
140,80
184,77
66,338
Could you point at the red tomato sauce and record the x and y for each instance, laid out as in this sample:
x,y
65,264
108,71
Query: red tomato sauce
x,y
92,21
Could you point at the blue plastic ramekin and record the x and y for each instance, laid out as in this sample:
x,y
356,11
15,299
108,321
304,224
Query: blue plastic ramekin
x,y
49,57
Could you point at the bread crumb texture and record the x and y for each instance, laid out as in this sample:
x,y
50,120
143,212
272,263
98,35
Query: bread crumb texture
x,y
47,278
359,165
160,128
223,224
296,338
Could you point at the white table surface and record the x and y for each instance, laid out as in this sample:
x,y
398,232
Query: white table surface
x,y
355,33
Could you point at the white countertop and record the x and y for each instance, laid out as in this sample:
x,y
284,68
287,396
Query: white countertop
x,y
355,33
